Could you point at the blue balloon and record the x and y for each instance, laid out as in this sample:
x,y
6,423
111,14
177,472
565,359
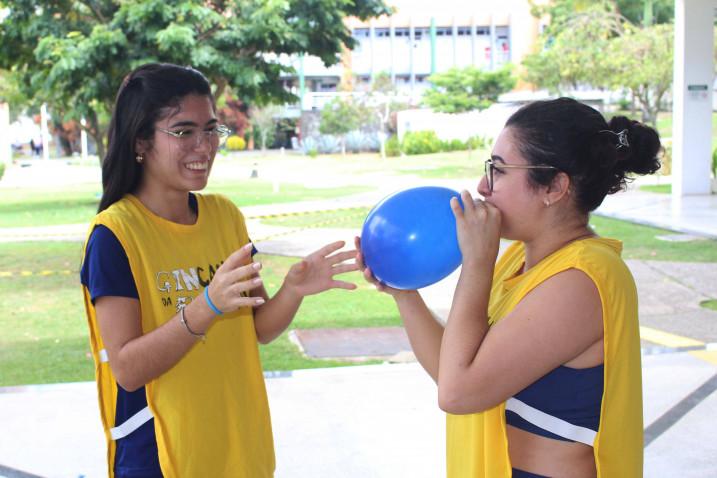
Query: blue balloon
x,y
409,239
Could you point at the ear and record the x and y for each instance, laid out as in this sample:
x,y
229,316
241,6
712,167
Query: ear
x,y
142,146
558,188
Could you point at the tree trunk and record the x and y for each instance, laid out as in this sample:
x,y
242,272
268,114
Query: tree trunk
x,y
93,129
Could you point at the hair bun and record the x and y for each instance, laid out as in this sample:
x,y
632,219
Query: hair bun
x,y
637,146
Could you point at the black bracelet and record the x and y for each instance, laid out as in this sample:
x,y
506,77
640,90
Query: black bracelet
x,y
186,326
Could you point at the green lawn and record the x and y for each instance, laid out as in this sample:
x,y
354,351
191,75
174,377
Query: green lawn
x,y
657,188
640,242
45,337
23,207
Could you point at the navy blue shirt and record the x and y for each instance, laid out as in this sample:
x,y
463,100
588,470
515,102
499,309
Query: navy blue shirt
x,y
106,272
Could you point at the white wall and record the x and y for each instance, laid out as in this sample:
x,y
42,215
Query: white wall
x,y
5,151
487,123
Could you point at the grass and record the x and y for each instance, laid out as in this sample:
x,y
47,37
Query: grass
x,y
639,242
25,207
657,188
45,338
710,304
47,206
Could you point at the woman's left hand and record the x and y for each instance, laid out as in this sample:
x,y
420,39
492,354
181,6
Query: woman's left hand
x,y
315,273
478,229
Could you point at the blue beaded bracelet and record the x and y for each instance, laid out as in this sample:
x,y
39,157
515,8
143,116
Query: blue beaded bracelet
x,y
211,305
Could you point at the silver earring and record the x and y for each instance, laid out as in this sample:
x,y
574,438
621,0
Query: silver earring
x,y
547,203
139,158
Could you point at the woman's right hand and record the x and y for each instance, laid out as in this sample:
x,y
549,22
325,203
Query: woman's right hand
x,y
233,282
368,275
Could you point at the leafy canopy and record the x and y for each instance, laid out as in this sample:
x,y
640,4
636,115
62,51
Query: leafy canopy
x,y
464,89
74,54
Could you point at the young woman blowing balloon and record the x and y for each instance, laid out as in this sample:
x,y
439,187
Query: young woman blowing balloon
x,y
174,300
538,366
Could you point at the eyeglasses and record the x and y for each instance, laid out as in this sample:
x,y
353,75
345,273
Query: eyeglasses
x,y
490,167
192,137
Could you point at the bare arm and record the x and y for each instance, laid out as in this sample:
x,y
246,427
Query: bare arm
x,y
481,367
424,332
137,358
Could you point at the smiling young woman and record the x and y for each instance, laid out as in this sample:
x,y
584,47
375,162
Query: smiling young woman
x,y
173,297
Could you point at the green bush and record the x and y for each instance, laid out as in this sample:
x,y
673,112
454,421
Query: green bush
x,y
393,147
420,142
313,152
2,169
666,159
453,145
236,143
714,164
476,142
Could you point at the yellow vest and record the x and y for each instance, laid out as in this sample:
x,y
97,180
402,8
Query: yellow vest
x,y
211,413
477,445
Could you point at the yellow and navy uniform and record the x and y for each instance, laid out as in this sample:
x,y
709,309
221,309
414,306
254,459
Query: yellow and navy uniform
x,y
477,444
211,414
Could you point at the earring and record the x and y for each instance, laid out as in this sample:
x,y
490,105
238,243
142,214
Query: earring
x,y
139,158
547,202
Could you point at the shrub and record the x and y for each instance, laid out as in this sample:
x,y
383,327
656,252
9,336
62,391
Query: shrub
x,y
666,158
2,169
236,143
420,142
313,152
476,142
393,148
453,145
714,164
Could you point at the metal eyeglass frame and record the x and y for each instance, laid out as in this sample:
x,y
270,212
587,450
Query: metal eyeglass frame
x,y
221,132
489,166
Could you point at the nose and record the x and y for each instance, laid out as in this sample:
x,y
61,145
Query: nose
x,y
204,142
483,188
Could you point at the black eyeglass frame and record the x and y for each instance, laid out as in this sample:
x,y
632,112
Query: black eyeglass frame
x,y
490,165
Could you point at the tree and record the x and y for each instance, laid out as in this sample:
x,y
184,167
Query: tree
x,y
572,53
663,11
600,48
642,62
264,120
458,90
339,117
74,54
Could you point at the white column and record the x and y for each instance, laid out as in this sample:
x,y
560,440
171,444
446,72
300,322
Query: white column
x,y
83,139
5,146
692,102
44,132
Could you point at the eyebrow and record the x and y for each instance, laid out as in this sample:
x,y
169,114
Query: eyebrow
x,y
495,157
192,123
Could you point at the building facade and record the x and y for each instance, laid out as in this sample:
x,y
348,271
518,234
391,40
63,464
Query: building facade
x,y
419,38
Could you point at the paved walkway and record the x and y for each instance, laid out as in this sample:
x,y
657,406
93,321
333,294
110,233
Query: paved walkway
x,y
382,420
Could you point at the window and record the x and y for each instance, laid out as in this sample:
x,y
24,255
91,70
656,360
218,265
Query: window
x,y
400,32
382,32
360,33
464,31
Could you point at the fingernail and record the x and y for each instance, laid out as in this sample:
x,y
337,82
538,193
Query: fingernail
x,y
256,281
256,265
259,301
247,246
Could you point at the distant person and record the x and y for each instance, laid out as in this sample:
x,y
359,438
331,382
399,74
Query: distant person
x,y
174,300
539,365
36,146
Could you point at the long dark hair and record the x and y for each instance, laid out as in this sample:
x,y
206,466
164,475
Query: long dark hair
x,y
575,138
141,100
